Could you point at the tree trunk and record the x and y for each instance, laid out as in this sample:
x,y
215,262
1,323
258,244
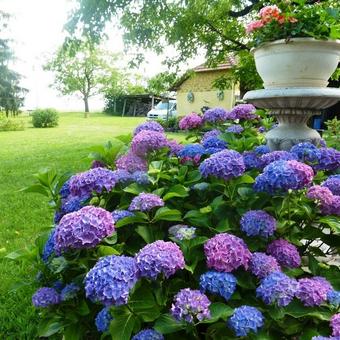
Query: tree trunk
x,y
86,102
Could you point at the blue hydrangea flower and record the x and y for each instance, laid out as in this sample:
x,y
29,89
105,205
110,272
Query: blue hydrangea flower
x,y
182,232
214,142
141,177
45,297
211,133
261,265
273,156
235,128
306,153
111,280
119,214
69,292
223,284
277,288
262,149
192,150
65,189
252,160
329,160
48,250
334,298
103,320
148,334
58,285
215,115
258,223
245,319
320,337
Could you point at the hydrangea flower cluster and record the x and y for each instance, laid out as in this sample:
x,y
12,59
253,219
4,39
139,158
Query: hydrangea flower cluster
x,y
285,253
148,334
150,126
261,265
192,152
65,189
252,160
146,202
45,297
119,214
97,180
111,280
215,115
243,111
225,164
140,177
131,163
277,288
335,324
313,291
333,184
322,194
191,121
333,208
235,128
211,133
214,143
159,257
273,156
280,176
225,253
84,228
182,232
222,284
48,250
306,153
333,298
147,141
69,292
174,147
262,149
245,319
329,160
258,223
72,203
190,305
103,320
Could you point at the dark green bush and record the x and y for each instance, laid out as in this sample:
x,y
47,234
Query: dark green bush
x,y
42,118
171,124
11,124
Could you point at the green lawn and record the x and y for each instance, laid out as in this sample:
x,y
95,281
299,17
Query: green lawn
x,y
23,153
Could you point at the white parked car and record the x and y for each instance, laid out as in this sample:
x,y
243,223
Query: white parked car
x,y
163,110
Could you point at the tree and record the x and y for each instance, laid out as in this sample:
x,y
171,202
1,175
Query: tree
x,y
82,68
161,82
12,95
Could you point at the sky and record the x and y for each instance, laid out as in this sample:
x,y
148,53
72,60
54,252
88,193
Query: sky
x,y
36,28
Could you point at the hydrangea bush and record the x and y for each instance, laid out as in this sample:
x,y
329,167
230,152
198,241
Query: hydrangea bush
x,y
216,239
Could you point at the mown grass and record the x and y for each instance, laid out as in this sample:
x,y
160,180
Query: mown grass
x,y
23,153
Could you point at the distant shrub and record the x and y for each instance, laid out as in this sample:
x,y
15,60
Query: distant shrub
x,y
42,118
171,124
11,124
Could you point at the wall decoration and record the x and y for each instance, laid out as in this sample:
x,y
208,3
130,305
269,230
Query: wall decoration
x,y
190,97
220,95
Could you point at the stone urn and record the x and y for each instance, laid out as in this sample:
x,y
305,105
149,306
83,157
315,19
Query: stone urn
x,y
295,76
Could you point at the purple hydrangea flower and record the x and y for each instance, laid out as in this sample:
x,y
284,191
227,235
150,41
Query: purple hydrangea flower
x,y
262,150
190,305
45,297
215,115
119,214
306,153
322,143
97,164
273,156
131,163
147,141
122,176
223,284
258,223
97,180
111,280
159,257
285,253
277,288
261,265
65,189
235,128
214,142
333,298
211,133
191,121
335,324
280,176
333,208
148,334
329,160
84,228
322,194
252,160
150,126
141,177
313,291
146,202
48,250
103,320
245,319
225,164
182,232
68,205
69,292
225,253
333,184
192,151
243,111
174,147
320,337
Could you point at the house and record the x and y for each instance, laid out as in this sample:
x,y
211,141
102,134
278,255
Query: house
x,y
195,89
